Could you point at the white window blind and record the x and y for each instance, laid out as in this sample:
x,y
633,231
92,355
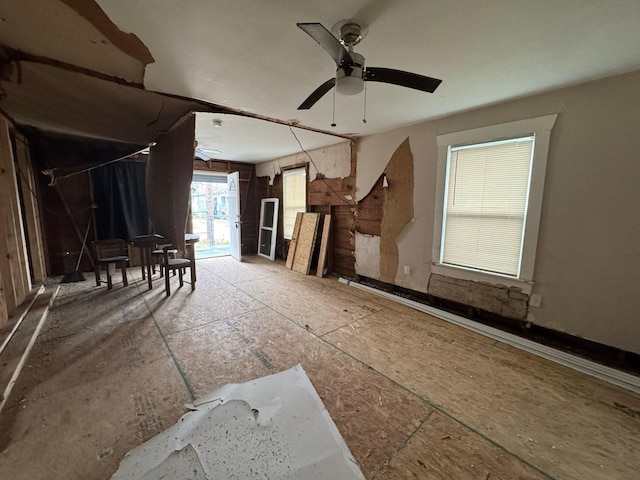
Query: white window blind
x,y
294,186
486,196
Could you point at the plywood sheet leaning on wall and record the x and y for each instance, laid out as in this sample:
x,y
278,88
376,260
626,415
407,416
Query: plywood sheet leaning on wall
x,y
14,263
294,240
168,181
306,242
397,210
31,212
324,245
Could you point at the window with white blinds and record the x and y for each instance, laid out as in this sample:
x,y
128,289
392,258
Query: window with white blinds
x,y
294,193
485,207
489,191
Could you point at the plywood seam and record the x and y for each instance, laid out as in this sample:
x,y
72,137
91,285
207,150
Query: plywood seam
x,y
405,443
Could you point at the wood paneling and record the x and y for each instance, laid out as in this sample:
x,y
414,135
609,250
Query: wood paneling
x,y
29,199
14,263
335,197
370,210
70,157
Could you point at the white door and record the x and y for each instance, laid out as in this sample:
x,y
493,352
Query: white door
x,y
233,182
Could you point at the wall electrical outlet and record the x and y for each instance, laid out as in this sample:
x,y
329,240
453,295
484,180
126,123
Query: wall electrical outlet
x,y
407,269
535,301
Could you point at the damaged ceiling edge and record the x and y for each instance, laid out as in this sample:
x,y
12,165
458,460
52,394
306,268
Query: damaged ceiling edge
x,y
11,56
127,43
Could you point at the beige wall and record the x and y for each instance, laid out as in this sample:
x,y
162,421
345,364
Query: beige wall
x,y
588,258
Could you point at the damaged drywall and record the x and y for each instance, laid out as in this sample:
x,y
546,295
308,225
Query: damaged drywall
x,y
128,43
274,427
367,255
168,181
397,210
333,161
501,300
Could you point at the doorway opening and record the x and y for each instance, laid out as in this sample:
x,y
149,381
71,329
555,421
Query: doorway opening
x,y
209,214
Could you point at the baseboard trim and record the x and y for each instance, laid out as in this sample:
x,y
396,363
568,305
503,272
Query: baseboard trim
x,y
602,372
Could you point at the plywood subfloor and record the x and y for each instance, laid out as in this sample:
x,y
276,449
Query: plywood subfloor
x,y
413,396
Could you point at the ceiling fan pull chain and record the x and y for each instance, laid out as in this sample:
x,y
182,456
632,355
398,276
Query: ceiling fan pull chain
x,y
333,123
364,112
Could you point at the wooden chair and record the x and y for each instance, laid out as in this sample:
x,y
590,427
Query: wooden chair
x,y
157,256
180,264
111,253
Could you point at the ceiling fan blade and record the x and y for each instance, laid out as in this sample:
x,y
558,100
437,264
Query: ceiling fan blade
x,y
327,41
317,94
404,79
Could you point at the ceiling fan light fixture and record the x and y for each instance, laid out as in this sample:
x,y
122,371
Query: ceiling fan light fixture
x,y
349,85
351,82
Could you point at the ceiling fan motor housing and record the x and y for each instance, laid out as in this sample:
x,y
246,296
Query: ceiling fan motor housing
x,y
351,33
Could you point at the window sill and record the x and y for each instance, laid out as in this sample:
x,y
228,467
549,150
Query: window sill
x,y
483,277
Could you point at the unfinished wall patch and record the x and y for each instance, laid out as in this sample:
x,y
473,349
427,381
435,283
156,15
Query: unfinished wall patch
x,y
500,300
397,210
368,248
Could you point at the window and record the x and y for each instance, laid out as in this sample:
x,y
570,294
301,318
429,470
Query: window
x,y
294,193
490,185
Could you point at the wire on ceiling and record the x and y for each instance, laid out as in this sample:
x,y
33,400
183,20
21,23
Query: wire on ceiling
x,y
341,197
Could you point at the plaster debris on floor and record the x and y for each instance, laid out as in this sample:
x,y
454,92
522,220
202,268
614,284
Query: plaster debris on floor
x,y
275,427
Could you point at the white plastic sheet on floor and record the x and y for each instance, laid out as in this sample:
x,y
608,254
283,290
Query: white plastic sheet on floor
x,y
275,427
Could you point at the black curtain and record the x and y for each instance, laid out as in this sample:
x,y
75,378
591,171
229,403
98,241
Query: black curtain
x,y
119,193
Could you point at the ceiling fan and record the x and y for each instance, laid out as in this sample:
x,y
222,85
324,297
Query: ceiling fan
x,y
351,72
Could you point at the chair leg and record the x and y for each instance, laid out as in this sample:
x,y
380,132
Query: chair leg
x,y
167,286
124,276
109,280
180,275
193,277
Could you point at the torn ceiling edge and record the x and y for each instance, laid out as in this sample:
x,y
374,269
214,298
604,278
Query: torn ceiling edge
x,y
126,42
274,427
13,78
57,100
602,372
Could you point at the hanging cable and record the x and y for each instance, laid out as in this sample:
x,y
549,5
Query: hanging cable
x,y
364,112
343,199
333,123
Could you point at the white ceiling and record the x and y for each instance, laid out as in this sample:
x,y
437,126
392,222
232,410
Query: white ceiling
x,y
249,56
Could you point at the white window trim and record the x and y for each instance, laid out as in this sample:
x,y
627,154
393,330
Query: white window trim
x,y
541,128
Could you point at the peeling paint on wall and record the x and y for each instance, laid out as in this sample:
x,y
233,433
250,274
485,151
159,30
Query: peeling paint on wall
x,y
397,210
333,161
